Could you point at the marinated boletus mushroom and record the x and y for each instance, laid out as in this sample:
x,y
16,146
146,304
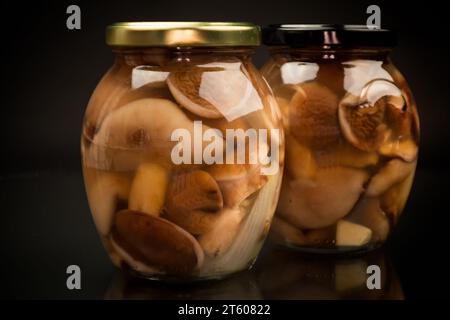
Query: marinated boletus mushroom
x,y
119,256
194,200
145,124
352,234
393,172
405,149
362,123
157,242
393,201
283,231
148,190
368,212
215,90
237,181
218,240
313,117
365,120
300,160
302,201
346,155
185,86
321,237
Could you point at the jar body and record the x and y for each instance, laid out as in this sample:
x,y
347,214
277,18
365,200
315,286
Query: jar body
x,y
352,134
167,194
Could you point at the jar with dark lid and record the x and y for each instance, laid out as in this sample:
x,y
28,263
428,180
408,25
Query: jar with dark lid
x,y
181,148
352,135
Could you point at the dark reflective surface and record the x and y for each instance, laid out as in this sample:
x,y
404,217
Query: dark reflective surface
x,y
278,274
286,274
46,226
239,286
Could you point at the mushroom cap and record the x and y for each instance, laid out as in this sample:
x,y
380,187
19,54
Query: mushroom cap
x,y
215,90
313,117
362,123
185,86
321,201
157,242
137,132
237,181
193,201
378,119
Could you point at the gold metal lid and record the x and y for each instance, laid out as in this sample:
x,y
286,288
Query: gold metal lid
x,y
179,34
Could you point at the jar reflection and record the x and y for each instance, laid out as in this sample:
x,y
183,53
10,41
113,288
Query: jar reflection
x,y
240,286
278,274
286,274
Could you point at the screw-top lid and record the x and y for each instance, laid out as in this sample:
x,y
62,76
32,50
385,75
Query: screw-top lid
x,y
304,35
175,34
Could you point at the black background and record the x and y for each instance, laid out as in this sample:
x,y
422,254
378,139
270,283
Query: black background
x,y
49,72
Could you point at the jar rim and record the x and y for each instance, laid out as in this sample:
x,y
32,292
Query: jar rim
x,y
182,34
333,35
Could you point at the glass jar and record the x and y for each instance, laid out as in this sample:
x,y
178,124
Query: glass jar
x,y
352,134
181,147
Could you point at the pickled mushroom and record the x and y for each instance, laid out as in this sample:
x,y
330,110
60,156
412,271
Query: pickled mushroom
x,y
283,231
392,173
394,200
148,190
217,241
362,123
247,241
313,116
368,212
346,155
321,201
404,149
157,242
378,120
140,123
352,234
300,161
237,181
215,90
193,202
119,255
137,132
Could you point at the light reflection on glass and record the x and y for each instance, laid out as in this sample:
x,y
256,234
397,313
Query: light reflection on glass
x,y
357,73
298,72
143,75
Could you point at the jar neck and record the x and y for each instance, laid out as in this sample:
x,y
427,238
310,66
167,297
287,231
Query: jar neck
x,y
138,56
332,53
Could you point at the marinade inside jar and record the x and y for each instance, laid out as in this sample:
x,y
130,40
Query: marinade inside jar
x,y
167,219
351,152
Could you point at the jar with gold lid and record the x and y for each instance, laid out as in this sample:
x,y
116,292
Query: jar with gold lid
x,y
182,150
352,135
